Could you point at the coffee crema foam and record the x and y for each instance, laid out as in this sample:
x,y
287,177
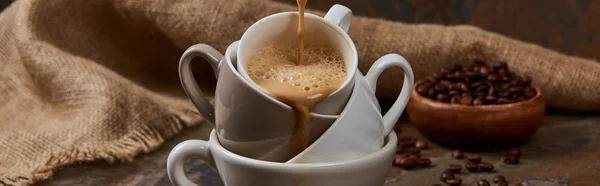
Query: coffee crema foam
x,y
323,67
322,72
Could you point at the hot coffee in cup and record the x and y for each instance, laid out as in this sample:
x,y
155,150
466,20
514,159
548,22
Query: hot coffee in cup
x,y
301,86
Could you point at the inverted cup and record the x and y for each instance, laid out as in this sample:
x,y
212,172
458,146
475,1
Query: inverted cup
x,y
281,29
247,121
236,170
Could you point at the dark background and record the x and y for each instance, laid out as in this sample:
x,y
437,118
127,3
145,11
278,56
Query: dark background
x,y
568,26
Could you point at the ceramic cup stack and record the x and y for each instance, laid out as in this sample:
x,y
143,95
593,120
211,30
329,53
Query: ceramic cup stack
x,y
250,145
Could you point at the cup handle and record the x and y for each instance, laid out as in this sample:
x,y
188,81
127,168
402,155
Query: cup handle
x,y
340,15
206,109
181,152
392,116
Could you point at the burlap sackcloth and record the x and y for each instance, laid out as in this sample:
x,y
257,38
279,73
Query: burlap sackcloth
x,y
91,80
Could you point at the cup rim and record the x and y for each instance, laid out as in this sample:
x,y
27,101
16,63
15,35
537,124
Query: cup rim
x,y
390,145
233,47
349,42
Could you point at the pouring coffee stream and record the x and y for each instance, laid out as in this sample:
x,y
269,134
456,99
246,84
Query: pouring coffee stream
x,y
317,72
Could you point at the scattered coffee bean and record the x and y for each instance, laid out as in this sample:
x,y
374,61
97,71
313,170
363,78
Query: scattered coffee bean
x,y
424,162
399,149
485,167
414,156
454,168
409,164
398,159
421,144
499,178
501,184
483,183
514,152
511,160
516,184
458,154
471,167
477,84
475,158
446,175
454,181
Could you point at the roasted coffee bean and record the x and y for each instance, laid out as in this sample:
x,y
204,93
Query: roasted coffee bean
x,y
445,175
440,88
436,185
476,84
515,89
453,93
475,158
501,184
454,181
458,154
442,97
503,101
455,100
471,167
516,184
473,74
478,102
513,82
414,156
485,167
421,144
466,100
511,160
491,91
409,164
514,152
459,75
493,78
483,182
436,76
406,144
499,178
454,168
424,162
431,93
491,99
398,159
480,94
482,88
399,150
484,71
503,72
500,65
463,87
446,83
423,88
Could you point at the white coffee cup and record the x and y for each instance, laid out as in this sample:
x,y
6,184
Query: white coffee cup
x,y
281,29
248,121
236,170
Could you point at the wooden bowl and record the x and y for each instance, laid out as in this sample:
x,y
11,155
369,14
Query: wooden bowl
x,y
481,127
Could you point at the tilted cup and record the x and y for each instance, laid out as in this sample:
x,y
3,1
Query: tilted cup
x,y
281,29
236,170
360,128
248,122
